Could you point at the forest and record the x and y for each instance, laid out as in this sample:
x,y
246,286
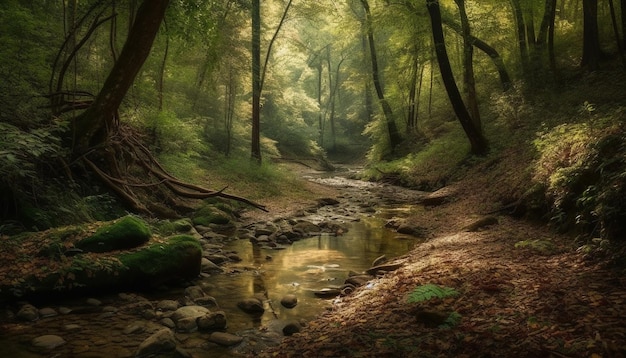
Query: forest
x,y
142,141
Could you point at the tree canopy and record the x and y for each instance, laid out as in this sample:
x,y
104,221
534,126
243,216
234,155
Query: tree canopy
x,y
109,91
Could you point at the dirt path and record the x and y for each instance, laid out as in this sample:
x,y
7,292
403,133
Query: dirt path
x,y
523,291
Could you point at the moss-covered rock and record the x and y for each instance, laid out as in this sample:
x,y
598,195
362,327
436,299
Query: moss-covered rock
x,y
126,233
177,259
211,215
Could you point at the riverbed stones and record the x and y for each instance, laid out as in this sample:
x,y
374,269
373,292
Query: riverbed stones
x,y
209,267
161,342
47,312
28,312
225,339
167,305
47,342
289,301
292,328
212,321
185,317
251,305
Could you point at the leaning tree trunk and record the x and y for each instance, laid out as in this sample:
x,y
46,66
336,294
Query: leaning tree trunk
x,y
479,145
95,124
394,135
108,150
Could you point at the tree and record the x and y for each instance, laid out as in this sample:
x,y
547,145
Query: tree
x,y
258,73
94,126
468,67
478,143
100,137
255,149
394,135
591,36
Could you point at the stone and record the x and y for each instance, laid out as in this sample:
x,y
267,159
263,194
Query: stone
x,y
28,312
208,266
225,339
72,327
291,328
251,305
125,233
167,322
194,292
167,305
47,342
93,302
327,293
206,301
217,258
212,321
47,312
481,223
189,311
186,317
289,301
163,341
409,229
65,310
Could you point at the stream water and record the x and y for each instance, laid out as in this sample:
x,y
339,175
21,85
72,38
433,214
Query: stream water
x,y
300,269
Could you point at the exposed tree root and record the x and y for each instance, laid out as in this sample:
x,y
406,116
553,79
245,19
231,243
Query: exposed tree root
x,y
132,169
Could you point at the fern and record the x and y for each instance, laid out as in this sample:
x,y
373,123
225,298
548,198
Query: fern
x,y
428,291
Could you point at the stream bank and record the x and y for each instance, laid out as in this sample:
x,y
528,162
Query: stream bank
x,y
520,290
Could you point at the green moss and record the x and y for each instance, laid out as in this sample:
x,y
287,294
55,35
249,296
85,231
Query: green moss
x,y
179,257
211,215
125,233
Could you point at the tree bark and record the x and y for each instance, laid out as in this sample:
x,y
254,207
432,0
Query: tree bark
x,y
94,125
478,143
255,150
468,67
521,35
591,36
394,135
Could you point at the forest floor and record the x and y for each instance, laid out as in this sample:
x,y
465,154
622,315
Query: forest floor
x,y
523,291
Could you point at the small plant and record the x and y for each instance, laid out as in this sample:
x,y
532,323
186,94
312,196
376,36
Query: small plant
x,y
428,291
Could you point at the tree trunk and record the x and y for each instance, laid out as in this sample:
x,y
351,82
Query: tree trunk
x,y
255,150
411,120
94,125
623,12
521,35
468,67
478,143
591,36
620,48
394,135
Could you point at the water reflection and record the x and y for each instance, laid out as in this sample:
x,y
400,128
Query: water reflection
x,y
300,269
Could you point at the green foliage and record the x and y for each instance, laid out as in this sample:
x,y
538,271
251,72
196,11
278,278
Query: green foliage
x,y
453,320
429,291
430,168
583,169
125,233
